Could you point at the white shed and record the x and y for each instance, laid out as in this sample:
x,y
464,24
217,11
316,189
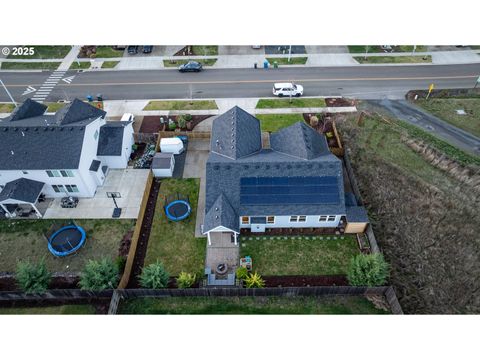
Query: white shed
x,y
163,164
171,145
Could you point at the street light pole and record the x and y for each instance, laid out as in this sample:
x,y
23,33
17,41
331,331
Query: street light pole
x,y
289,52
366,51
8,93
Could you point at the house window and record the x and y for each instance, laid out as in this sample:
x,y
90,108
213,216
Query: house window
x,y
58,188
322,218
270,219
95,136
66,173
245,220
331,218
302,218
53,173
72,188
293,218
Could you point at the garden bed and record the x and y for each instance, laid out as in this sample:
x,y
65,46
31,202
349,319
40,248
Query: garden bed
x,y
339,102
305,281
151,124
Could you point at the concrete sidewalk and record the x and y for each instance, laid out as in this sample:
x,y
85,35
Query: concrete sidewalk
x,y
69,58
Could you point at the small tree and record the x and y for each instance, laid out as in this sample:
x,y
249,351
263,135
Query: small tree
x,y
368,270
154,276
172,125
254,281
187,117
185,280
242,273
99,275
32,278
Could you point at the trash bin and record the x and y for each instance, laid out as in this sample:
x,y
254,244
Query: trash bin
x,y
265,64
89,98
254,65
99,97
275,65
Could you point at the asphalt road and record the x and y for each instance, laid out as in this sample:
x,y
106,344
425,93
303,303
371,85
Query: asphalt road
x,y
404,110
365,82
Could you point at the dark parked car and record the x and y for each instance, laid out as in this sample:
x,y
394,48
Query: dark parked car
x,y
192,66
147,49
132,49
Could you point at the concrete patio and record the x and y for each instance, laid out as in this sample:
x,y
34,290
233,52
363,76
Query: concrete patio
x,y
130,183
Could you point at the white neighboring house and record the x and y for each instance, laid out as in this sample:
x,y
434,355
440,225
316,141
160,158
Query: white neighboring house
x,y
69,152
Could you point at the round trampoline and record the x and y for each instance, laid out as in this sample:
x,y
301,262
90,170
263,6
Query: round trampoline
x,y
178,210
66,240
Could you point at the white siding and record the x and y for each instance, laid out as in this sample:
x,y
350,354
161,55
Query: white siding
x,y
284,222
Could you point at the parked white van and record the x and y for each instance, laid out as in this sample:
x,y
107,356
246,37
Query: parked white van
x,y
287,89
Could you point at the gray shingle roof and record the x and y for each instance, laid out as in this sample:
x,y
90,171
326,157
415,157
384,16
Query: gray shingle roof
x,y
22,189
235,134
76,111
356,214
111,138
223,173
221,213
28,109
299,140
42,142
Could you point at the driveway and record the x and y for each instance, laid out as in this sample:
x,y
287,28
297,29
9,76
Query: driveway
x,y
197,155
239,50
412,114
130,183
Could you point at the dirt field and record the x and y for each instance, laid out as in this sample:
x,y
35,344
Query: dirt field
x,y
426,219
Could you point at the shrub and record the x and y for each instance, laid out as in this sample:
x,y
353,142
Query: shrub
x,y
187,117
182,123
99,275
121,261
185,280
242,273
32,278
172,125
314,121
154,276
254,281
368,270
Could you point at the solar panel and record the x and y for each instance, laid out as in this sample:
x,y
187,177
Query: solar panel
x,y
289,190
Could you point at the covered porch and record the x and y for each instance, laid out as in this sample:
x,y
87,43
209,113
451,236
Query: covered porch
x,y
222,257
23,198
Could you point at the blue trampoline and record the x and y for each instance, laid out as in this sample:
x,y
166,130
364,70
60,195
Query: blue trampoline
x,y
178,210
66,240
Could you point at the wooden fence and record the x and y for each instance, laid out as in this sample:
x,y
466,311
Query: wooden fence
x,y
8,297
386,291
190,134
136,234
145,137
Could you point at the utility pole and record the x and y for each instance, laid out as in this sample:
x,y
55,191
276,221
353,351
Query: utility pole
x,y
414,48
476,82
8,93
289,53
366,51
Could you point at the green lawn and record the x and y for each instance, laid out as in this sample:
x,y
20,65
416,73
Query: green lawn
x,y
251,305
205,50
109,64
300,255
177,63
356,49
6,108
445,109
274,122
55,106
30,65
174,243
108,52
284,60
393,59
80,65
24,240
50,310
44,52
290,103
181,105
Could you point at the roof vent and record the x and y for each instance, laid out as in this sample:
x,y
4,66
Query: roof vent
x,y
216,167
246,167
216,209
23,134
217,142
233,147
216,217
5,129
11,151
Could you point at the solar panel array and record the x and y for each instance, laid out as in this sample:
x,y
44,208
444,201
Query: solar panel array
x,y
308,190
